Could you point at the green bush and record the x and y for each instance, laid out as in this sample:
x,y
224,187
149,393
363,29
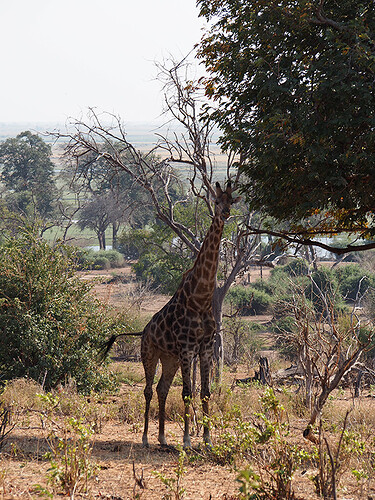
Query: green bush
x,y
130,242
115,258
161,262
103,259
264,286
249,300
281,277
353,280
283,328
84,258
164,272
324,286
101,263
241,339
280,281
52,327
296,267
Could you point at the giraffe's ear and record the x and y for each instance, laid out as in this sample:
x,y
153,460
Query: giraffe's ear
x,y
236,200
219,191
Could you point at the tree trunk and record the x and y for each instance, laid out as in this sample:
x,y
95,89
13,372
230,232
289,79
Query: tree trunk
x,y
217,309
313,257
264,375
115,229
101,238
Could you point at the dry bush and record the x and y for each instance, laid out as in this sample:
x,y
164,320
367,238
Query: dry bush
x,y
128,373
21,394
131,408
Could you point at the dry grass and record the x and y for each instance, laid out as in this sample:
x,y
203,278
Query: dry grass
x,y
22,394
117,422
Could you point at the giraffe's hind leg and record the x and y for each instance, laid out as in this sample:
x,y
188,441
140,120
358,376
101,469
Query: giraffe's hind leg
x,y
186,396
149,365
170,367
205,366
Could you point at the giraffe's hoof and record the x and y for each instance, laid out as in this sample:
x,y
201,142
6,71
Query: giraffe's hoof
x,y
187,443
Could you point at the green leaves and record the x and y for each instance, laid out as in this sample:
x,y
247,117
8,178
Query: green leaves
x,y
163,257
27,172
52,328
294,86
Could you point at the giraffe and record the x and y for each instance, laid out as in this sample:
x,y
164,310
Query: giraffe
x,y
185,328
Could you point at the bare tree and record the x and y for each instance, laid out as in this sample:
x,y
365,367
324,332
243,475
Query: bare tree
x,y
327,348
103,138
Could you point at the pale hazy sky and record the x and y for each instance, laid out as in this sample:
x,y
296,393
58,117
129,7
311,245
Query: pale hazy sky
x,y
59,57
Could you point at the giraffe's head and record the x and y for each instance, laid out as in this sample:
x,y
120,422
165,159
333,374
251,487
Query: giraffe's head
x,y
224,201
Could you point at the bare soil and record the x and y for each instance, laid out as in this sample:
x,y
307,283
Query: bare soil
x,y
117,450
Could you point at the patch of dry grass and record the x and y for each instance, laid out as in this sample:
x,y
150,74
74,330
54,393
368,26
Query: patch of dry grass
x,y
117,421
21,394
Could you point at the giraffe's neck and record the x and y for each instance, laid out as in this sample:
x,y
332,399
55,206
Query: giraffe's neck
x,y
199,283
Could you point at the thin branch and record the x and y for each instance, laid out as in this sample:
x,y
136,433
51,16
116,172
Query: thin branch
x,y
297,238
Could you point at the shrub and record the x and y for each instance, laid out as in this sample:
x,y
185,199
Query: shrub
x,y
70,451
103,259
100,262
240,340
129,242
161,258
280,281
83,257
297,267
249,300
52,327
115,258
163,271
276,458
264,286
325,283
354,281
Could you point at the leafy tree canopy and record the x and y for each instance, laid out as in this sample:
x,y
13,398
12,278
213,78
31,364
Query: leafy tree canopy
x,y
294,82
27,173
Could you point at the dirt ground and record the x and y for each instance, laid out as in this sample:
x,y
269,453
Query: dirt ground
x,y
115,451
118,453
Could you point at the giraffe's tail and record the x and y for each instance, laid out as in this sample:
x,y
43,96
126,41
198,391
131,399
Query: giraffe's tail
x,y
106,346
